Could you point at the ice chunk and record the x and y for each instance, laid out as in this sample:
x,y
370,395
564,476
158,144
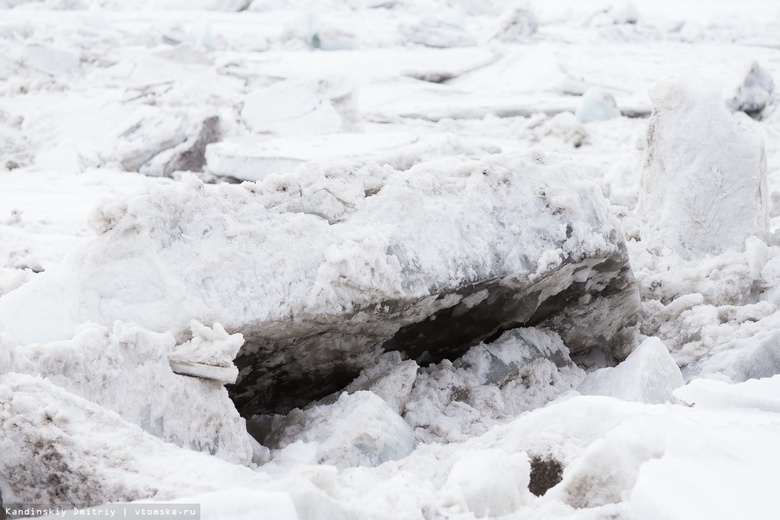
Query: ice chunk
x,y
295,107
253,158
517,24
143,135
61,449
391,379
703,185
127,370
435,32
199,5
189,155
754,92
522,370
209,354
359,429
648,375
597,104
323,269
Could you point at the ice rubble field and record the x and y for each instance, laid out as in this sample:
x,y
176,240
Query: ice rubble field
x,y
391,150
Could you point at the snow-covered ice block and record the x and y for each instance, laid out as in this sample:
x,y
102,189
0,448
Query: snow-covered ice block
x,y
302,106
323,269
703,174
754,91
127,370
597,104
62,449
649,375
359,429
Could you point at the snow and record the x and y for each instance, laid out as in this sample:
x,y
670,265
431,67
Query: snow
x,y
133,279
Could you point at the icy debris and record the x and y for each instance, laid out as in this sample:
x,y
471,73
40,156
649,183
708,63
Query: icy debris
x,y
302,106
321,272
597,104
190,155
753,93
62,449
522,370
703,186
127,370
517,24
391,378
359,429
649,375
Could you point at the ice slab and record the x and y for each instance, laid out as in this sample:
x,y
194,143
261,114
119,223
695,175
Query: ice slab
x,y
324,268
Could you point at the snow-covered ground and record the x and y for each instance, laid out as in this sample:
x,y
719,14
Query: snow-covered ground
x,y
407,168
